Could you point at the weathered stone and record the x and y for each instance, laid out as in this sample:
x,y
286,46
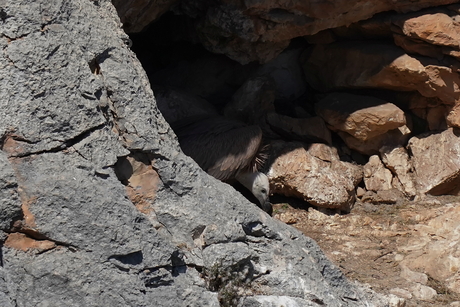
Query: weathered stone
x,y
362,117
401,293
392,196
437,248
436,28
376,176
74,100
20,241
360,192
397,160
260,30
313,173
417,47
365,64
10,205
311,129
176,105
436,162
264,300
423,292
453,116
412,276
396,301
392,138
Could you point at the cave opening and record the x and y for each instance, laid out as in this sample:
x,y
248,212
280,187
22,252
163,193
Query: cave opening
x,y
356,89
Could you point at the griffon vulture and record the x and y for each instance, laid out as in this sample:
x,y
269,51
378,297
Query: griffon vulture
x,y
227,150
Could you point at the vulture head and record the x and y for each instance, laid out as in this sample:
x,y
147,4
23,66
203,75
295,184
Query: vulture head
x,y
259,186
227,150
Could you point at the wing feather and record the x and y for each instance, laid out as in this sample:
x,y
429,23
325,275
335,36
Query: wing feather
x,y
220,146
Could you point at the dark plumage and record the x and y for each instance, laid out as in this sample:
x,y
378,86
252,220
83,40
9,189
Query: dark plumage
x,y
225,149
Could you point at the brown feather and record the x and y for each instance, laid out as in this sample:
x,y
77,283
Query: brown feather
x,y
221,147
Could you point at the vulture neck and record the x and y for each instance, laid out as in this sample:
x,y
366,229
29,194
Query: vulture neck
x,y
247,179
257,183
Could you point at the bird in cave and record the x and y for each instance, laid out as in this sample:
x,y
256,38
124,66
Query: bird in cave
x,y
228,150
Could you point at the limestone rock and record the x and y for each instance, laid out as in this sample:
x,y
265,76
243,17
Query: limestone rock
x,y
392,196
376,176
423,292
366,64
397,301
302,129
397,160
437,29
260,30
436,162
392,138
362,117
401,293
437,248
416,277
10,204
313,173
453,116
75,102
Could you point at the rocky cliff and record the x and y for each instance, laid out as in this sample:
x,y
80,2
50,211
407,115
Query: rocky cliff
x,y
79,125
99,207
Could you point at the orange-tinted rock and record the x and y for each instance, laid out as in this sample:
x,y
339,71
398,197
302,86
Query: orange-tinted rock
x,y
259,30
367,64
142,181
362,117
436,248
436,162
24,243
313,173
397,160
453,116
436,29
372,146
376,176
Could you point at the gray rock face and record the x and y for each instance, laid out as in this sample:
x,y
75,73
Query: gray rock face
x,y
73,101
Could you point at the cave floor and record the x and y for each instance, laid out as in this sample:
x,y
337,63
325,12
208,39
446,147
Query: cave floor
x,y
373,242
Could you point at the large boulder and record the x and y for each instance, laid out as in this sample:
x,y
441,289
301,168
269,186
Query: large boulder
x,y
112,213
436,162
260,30
362,117
313,173
373,64
436,29
376,176
398,161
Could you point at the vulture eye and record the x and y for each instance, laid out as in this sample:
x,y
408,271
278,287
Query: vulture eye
x,y
263,191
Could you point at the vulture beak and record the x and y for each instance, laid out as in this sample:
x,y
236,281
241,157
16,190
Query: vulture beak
x,y
267,207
